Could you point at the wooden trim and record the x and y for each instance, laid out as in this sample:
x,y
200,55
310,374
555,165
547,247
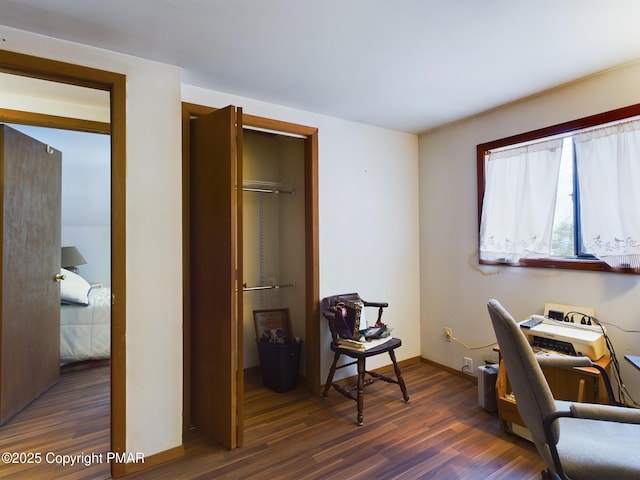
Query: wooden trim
x,y
160,458
566,127
255,121
239,333
618,114
114,83
186,275
195,110
278,125
312,259
53,121
56,71
563,264
118,270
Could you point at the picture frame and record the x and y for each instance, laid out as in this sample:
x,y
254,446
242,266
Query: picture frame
x,y
273,326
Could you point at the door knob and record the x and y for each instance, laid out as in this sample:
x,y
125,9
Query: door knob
x,y
59,277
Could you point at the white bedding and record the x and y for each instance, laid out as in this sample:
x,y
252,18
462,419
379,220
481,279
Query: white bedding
x,y
85,331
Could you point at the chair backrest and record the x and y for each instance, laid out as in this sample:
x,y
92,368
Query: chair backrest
x,y
533,395
343,322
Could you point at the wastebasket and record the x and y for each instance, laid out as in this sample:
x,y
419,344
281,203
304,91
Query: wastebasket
x,y
279,364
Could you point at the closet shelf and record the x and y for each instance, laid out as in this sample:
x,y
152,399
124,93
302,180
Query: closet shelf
x,y
265,287
266,187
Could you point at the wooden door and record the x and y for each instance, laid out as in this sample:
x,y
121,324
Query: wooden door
x,y
30,324
215,263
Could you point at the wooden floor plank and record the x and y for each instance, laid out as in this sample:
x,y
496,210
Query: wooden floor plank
x,y
441,434
71,418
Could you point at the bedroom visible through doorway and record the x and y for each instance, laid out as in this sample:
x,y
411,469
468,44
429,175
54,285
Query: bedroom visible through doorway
x,y
76,413
85,294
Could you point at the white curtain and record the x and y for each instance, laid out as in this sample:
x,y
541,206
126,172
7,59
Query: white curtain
x,y
608,168
519,202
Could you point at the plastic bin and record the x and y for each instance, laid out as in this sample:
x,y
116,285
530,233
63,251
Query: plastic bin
x,y
279,365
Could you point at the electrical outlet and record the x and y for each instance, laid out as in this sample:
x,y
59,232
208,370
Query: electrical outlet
x,y
448,334
468,365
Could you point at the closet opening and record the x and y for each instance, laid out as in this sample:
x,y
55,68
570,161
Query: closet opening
x,y
266,182
273,232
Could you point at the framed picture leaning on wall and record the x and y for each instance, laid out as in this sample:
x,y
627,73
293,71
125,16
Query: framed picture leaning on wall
x,y
273,325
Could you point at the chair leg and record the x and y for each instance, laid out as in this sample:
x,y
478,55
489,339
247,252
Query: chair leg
x,y
360,392
549,475
396,368
332,372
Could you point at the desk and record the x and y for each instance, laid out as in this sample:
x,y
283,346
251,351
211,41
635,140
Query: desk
x,y
579,384
633,360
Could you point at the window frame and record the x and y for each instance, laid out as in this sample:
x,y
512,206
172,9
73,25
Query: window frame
x,y
574,263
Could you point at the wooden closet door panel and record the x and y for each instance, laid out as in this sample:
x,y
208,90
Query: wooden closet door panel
x,y
30,327
214,295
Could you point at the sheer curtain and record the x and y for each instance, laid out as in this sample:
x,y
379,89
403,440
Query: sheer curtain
x,y
519,202
608,169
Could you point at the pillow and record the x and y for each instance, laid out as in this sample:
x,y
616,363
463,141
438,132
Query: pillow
x,y
74,289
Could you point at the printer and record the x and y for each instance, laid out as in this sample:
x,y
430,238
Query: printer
x,y
569,338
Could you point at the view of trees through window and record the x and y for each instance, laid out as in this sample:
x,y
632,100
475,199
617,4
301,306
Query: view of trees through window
x,y
562,237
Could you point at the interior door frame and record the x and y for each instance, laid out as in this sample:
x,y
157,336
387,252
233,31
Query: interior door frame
x,y
312,289
115,84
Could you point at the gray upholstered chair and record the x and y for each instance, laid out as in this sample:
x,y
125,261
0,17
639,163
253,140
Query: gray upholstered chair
x,y
576,440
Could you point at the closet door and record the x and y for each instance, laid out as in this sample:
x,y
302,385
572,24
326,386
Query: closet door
x,y
216,275
30,323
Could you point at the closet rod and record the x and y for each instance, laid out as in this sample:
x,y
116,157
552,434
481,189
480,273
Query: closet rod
x,y
267,190
266,287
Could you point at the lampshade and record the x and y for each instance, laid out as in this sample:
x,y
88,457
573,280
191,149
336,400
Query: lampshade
x,y
71,257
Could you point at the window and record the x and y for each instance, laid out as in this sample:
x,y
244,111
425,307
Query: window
x,y
565,196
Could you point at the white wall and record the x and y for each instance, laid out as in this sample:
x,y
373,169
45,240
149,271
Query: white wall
x,y
154,239
368,224
454,288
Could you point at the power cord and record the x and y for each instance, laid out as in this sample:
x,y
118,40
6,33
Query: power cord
x,y
624,397
468,347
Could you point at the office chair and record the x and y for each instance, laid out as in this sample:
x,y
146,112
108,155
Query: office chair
x,y
347,327
579,441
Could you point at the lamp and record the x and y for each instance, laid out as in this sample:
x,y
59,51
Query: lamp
x,y
70,258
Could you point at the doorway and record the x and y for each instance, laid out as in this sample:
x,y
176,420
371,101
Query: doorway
x,y
310,290
114,84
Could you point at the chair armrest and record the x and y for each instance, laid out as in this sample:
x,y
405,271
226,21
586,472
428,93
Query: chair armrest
x,y
375,304
562,361
587,411
592,411
565,361
380,306
331,318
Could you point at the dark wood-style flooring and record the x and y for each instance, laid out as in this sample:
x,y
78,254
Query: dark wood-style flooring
x,y
442,434
71,418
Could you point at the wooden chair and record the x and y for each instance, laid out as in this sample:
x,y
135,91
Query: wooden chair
x,y
359,356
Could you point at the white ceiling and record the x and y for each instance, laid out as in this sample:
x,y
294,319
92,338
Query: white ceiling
x,y
407,65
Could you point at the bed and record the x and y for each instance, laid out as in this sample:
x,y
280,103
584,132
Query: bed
x,y
85,320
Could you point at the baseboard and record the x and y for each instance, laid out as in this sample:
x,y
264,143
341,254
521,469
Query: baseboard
x,y
453,371
151,461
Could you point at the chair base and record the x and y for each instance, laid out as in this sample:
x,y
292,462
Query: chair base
x,y
362,380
